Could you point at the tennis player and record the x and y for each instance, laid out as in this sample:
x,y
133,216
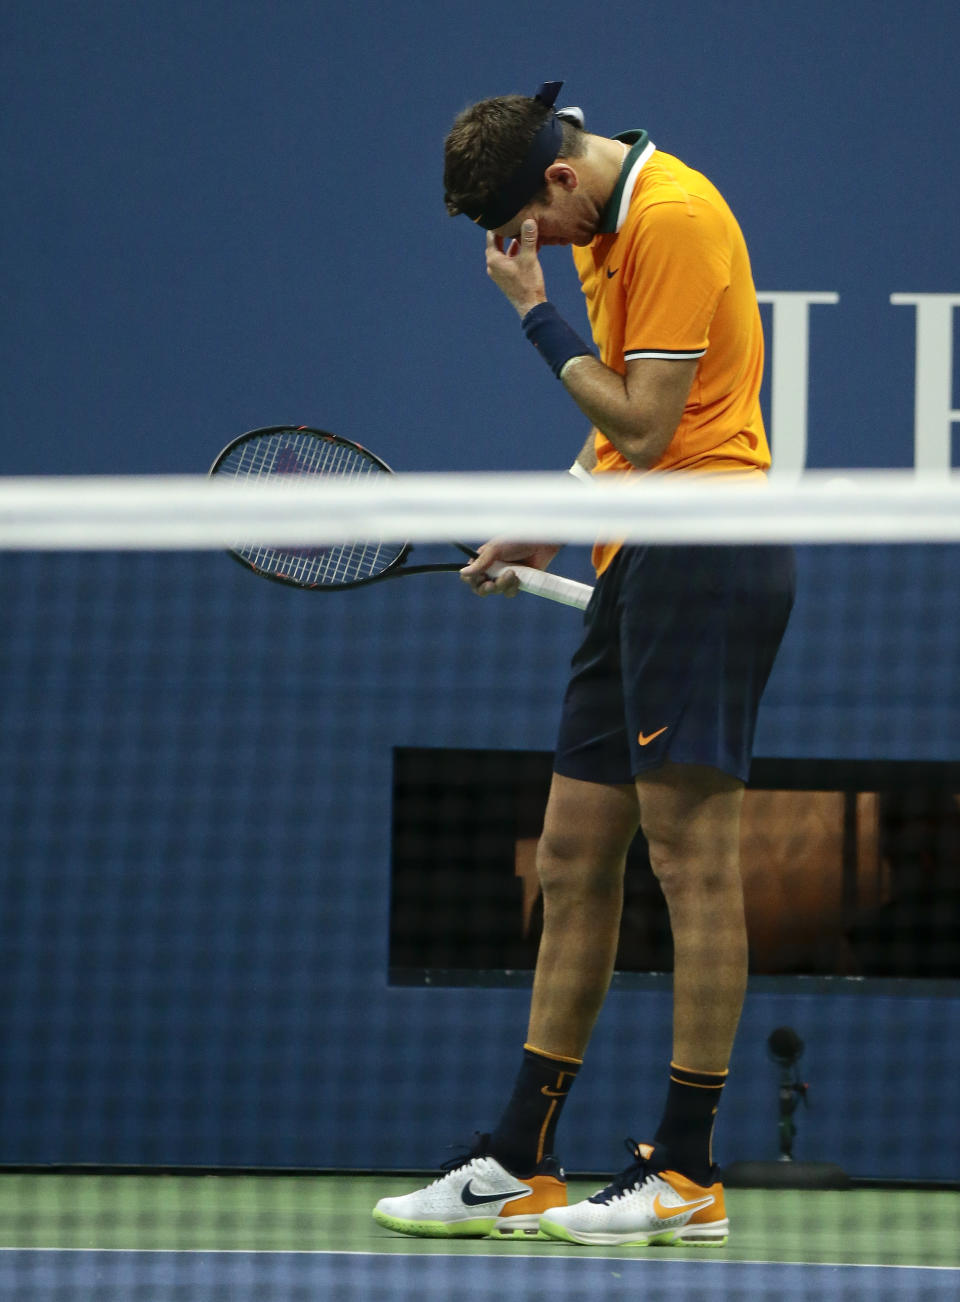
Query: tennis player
x,y
658,720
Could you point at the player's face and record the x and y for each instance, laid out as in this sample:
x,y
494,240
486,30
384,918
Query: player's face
x,y
565,217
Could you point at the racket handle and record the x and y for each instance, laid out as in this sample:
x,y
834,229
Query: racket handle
x,y
552,586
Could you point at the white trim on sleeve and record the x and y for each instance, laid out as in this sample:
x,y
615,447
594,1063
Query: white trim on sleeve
x,y
668,354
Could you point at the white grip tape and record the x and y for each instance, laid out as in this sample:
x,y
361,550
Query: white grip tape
x,y
552,586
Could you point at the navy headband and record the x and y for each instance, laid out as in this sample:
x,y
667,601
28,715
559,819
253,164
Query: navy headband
x,y
527,181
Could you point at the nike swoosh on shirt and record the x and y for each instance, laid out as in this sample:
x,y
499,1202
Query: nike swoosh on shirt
x,y
664,1213
611,274
645,741
474,1200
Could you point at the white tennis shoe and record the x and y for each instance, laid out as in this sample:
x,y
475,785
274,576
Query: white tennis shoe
x,y
476,1199
646,1204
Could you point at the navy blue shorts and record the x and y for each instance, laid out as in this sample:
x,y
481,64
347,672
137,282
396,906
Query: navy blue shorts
x,y
678,646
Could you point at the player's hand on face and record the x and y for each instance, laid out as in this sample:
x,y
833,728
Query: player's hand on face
x,y
514,267
498,553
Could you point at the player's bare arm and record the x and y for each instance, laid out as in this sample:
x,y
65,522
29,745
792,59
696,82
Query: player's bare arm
x,y
639,411
587,456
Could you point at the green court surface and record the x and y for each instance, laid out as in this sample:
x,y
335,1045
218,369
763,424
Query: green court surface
x,y
331,1213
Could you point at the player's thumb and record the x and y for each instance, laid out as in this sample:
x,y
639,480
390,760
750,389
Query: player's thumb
x,y
528,236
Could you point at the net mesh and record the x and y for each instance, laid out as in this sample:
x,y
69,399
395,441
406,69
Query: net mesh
x,y
269,905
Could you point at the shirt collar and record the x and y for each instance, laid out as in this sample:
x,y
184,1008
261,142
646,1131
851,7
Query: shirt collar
x,y
615,212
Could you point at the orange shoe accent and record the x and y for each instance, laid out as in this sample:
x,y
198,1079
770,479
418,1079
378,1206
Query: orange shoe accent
x,y
691,1193
547,1192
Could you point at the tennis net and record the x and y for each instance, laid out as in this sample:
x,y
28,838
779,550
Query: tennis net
x,y
270,909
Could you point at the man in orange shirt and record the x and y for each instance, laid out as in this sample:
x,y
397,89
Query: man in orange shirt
x,y
658,720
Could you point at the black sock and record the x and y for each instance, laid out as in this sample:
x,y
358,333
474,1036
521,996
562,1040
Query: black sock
x,y
525,1132
687,1125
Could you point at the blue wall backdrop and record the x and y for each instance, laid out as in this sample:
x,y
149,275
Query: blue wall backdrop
x,y
222,215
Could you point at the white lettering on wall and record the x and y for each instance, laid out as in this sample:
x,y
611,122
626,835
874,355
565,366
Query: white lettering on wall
x,y
933,409
789,374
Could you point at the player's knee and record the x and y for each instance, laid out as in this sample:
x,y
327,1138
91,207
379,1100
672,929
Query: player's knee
x,y
680,866
571,867
669,865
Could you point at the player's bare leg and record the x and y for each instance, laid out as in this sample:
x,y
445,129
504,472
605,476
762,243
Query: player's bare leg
x,y
581,858
691,819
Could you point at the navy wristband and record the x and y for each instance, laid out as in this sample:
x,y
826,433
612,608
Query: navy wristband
x,y
555,341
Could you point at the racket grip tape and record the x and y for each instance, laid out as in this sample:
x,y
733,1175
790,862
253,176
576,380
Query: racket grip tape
x,y
552,586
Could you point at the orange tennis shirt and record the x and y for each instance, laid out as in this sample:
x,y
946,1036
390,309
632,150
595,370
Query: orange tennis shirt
x,y
668,276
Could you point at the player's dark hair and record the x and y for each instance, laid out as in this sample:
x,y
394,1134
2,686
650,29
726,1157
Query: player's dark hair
x,y
489,141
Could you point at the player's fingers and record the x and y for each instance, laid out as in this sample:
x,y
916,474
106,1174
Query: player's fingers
x,y
528,237
477,578
480,584
485,581
505,579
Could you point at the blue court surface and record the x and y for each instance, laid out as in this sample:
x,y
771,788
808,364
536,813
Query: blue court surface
x,y
174,1276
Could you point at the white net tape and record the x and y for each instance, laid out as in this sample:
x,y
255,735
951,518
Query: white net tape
x,y
198,513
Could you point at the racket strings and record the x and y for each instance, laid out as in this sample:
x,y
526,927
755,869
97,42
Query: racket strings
x,y
293,454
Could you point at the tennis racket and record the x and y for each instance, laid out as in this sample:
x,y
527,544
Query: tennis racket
x,y
299,450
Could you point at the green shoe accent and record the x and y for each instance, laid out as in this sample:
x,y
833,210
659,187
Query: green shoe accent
x,y
550,1231
668,1239
522,1227
478,1229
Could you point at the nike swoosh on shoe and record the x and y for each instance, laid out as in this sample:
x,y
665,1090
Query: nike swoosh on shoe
x,y
472,1199
664,1212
